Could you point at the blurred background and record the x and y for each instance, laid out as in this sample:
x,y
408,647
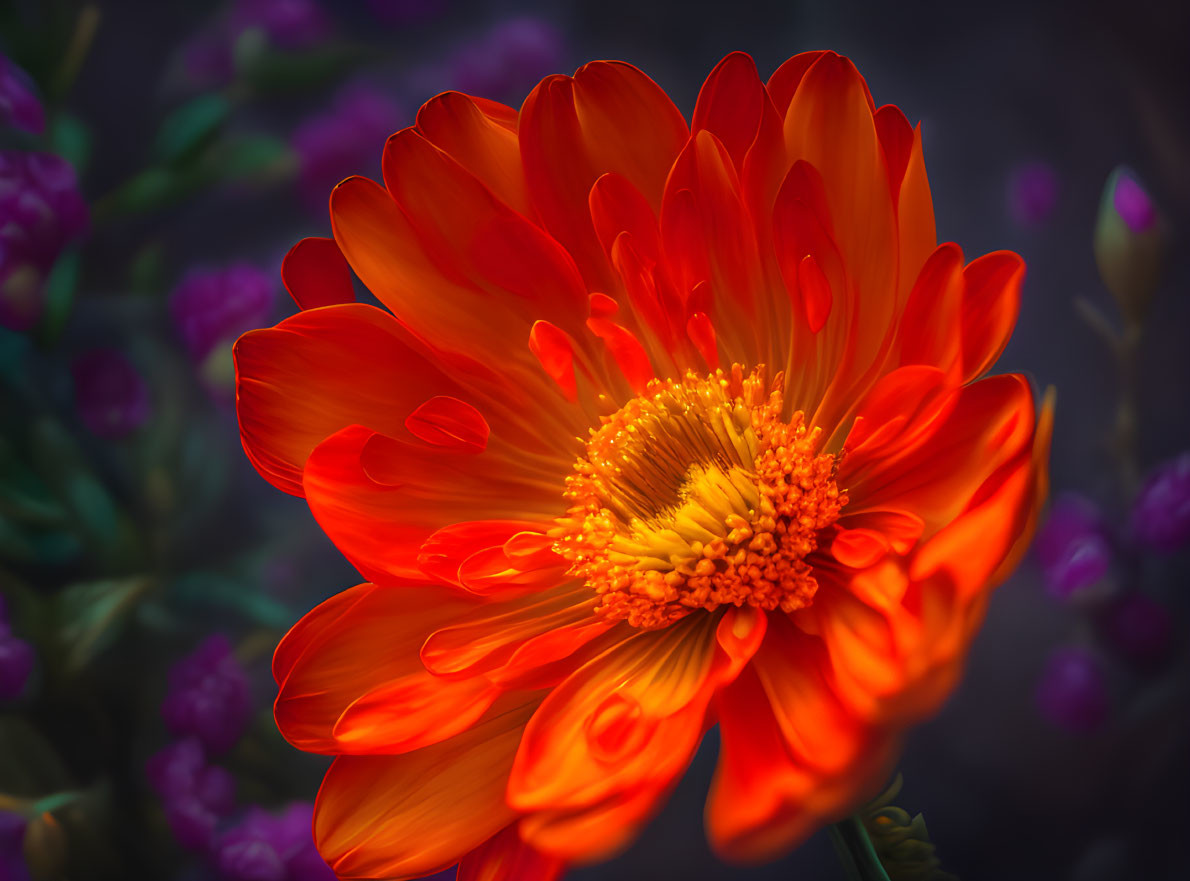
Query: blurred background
x,y
158,159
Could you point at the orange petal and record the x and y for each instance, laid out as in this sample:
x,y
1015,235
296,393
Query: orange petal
x,y
609,117
481,136
730,104
627,352
448,422
406,816
315,274
630,718
322,370
445,550
505,857
931,328
380,499
346,647
990,306
596,832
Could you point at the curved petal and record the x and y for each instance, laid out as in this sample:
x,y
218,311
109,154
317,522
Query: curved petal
x,y
406,816
505,857
320,371
607,117
482,137
380,499
315,274
351,644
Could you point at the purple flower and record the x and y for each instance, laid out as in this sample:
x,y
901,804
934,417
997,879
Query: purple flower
x,y
191,822
42,212
289,24
1161,512
1139,627
1072,546
342,141
210,307
406,11
110,395
1133,204
1072,691
209,697
19,104
16,664
173,770
509,59
264,847
1032,193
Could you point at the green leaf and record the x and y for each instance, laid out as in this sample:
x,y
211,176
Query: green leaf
x,y
272,70
88,616
188,129
218,592
71,140
60,296
254,156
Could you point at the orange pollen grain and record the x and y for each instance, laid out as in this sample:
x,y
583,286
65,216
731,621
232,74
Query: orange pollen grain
x,y
698,494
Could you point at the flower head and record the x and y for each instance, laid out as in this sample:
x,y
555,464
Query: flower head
x,y
19,105
272,847
661,424
209,697
194,795
42,212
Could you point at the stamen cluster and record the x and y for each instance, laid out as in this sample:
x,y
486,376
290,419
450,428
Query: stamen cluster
x,y
696,495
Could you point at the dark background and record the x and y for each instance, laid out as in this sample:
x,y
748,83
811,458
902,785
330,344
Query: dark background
x,y
1082,87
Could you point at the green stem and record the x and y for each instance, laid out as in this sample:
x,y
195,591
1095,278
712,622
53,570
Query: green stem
x,y
856,852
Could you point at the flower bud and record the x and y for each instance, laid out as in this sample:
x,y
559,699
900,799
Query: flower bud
x,y
43,212
1072,547
1072,691
210,307
19,104
1160,517
1129,243
110,395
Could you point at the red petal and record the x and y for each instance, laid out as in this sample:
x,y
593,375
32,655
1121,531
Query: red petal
x,y
450,423
316,274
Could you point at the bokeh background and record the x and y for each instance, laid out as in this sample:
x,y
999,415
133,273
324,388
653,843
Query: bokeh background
x,y
147,571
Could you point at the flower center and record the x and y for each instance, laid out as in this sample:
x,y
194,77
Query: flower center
x,y
696,495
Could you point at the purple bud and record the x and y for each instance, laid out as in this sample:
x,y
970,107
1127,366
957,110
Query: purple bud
x,y
19,104
342,141
210,307
1072,546
289,24
215,788
1139,627
1032,193
192,823
248,851
1161,511
509,59
209,697
1072,691
16,663
111,397
1133,204
174,770
42,212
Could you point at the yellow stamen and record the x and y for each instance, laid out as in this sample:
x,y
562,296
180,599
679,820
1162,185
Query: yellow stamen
x,y
698,495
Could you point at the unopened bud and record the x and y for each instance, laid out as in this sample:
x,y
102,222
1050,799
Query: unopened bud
x,y
1129,243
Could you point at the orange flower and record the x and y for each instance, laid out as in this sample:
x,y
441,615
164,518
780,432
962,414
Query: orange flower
x,y
661,426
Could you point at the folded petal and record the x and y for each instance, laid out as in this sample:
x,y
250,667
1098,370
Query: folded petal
x,y
315,274
353,643
320,371
406,816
